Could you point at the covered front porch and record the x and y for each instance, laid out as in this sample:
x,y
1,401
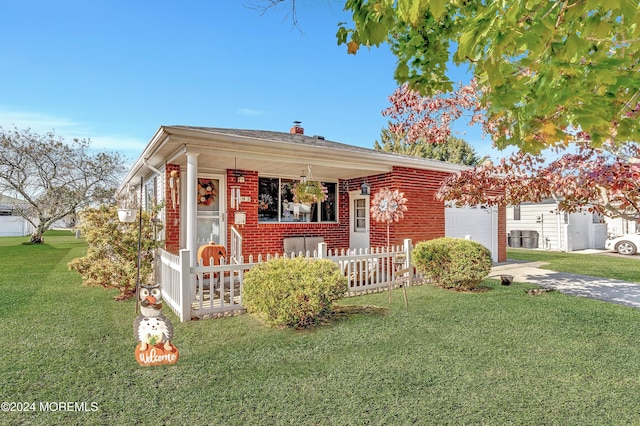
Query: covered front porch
x,y
196,292
214,179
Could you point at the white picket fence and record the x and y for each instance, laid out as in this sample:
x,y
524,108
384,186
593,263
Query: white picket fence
x,y
203,291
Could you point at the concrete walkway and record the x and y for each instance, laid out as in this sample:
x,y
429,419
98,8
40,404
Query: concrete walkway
x,y
615,291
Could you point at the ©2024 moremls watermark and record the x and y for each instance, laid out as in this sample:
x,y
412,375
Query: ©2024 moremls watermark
x,y
49,406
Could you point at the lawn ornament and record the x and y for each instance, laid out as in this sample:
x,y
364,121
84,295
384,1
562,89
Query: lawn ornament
x,y
153,330
388,206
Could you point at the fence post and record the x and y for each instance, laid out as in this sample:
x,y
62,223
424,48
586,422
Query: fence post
x,y
408,245
322,250
185,285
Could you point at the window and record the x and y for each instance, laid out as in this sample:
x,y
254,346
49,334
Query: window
x,y
275,203
360,215
516,212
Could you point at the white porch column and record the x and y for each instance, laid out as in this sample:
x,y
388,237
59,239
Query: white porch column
x,y
192,185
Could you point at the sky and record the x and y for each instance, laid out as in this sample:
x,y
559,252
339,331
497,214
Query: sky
x,y
114,71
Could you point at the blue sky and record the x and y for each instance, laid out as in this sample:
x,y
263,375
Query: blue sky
x,y
115,70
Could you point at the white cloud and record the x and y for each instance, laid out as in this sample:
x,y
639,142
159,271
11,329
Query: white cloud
x,y
38,123
70,129
249,111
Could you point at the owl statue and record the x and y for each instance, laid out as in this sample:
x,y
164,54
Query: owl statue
x,y
150,299
153,330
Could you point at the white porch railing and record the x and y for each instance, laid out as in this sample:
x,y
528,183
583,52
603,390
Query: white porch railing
x,y
200,291
172,270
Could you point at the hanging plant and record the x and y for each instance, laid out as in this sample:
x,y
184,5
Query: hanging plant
x,y
310,191
127,205
206,192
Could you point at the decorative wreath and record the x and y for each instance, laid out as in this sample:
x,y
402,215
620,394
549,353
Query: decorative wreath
x,y
206,192
388,205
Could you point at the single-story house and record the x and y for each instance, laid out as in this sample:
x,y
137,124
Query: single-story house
x,y
218,182
12,224
543,225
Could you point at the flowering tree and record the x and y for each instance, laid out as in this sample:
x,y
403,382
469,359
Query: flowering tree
x,y
605,178
429,118
554,74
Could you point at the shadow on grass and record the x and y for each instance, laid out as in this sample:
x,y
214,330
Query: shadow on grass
x,y
344,312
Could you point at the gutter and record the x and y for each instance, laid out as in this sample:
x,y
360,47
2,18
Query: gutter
x,y
150,167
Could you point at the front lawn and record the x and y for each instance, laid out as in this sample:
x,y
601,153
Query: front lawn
x,y
595,265
493,357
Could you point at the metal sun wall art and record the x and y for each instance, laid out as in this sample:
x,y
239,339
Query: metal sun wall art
x,y
388,206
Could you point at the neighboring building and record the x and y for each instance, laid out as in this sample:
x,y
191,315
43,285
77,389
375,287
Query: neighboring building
x,y
12,224
544,226
619,226
216,182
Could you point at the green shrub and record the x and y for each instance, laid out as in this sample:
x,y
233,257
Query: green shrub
x,y
293,292
452,262
112,250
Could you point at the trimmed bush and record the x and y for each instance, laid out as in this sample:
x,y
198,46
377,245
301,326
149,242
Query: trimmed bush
x,y
453,263
293,292
112,250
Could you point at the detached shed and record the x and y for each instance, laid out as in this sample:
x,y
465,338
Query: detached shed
x,y
11,224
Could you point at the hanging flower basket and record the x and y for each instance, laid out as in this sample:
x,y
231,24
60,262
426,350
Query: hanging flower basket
x,y
309,192
127,205
127,215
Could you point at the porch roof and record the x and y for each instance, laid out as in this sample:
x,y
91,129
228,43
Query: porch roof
x,y
270,153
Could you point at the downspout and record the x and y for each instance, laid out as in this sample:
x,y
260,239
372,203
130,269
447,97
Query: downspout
x,y
559,225
560,238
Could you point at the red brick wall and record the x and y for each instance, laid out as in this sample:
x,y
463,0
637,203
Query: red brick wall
x,y
172,214
423,220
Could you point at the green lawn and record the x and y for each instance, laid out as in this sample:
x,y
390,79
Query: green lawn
x,y
494,357
596,265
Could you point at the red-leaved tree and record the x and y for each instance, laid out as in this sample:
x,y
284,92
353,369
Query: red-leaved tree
x,y
429,119
604,179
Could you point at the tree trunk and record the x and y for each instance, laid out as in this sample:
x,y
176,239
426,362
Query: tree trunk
x,y
37,237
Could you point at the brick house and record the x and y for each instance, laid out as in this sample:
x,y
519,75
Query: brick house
x,y
218,181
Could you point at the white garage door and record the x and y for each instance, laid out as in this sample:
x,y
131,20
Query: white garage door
x,y
475,223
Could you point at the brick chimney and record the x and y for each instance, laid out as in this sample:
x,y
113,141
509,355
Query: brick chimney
x,y
297,129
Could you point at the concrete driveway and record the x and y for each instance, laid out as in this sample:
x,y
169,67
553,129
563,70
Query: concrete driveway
x,y
615,291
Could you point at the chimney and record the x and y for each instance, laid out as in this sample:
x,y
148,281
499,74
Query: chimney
x,y
296,129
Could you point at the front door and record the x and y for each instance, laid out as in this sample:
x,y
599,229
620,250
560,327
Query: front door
x,y
359,220
210,223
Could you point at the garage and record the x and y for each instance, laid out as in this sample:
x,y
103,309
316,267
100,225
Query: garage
x,y
477,223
